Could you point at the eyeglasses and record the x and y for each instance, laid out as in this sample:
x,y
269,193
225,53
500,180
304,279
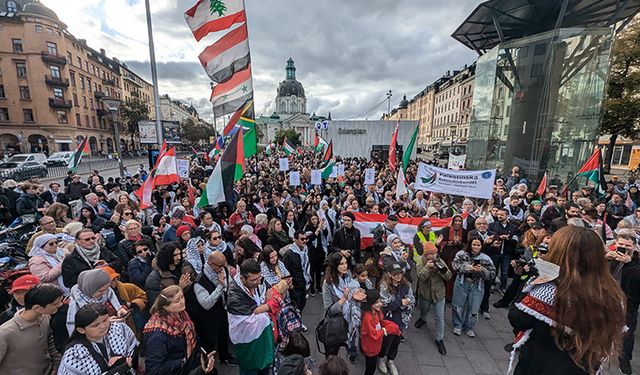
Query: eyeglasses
x,y
88,239
48,222
303,239
216,238
127,213
143,250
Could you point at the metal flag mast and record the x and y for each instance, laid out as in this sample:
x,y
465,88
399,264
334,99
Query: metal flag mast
x,y
154,76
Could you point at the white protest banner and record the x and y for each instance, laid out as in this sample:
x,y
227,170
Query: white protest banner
x,y
284,164
456,162
476,184
183,168
334,173
294,178
316,177
340,171
369,176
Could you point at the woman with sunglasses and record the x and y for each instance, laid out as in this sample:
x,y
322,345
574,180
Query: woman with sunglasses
x,y
133,234
46,260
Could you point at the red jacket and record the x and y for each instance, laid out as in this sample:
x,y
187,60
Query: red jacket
x,y
371,333
236,222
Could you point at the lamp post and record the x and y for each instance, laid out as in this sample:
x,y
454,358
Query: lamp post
x,y
112,105
389,95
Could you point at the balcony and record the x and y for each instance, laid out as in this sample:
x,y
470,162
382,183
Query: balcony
x,y
99,94
110,82
101,112
132,80
60,103
53,58
56,81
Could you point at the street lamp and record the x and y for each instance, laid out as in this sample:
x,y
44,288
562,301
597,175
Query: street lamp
x,y
112,105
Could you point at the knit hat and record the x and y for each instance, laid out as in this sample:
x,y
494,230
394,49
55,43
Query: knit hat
x,y
90,281
178,213
350,215
390,238
181,229
292,365
25,282
429,249
111,272
536,202
372,296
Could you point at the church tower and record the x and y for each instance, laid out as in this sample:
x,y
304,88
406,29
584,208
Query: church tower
x,y
290,98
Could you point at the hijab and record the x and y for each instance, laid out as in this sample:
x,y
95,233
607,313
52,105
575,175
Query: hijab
x,y
53,260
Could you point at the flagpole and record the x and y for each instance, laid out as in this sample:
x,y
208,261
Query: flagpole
x,y
154,75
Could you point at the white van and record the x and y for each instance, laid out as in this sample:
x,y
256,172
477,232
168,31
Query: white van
x,y
22,158
58,159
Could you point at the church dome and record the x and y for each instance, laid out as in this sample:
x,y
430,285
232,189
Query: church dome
x,y
35,7
404,103
291,87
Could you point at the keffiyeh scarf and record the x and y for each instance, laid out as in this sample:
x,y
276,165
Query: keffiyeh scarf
x,y
176,325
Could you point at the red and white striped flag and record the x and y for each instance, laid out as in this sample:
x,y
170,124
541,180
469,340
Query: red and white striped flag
x,y
406,227
167,170
209,16
227,97
145,191
229,55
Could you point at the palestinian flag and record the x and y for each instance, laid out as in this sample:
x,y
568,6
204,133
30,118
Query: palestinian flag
x,y
214,15
145,191
593,171
228,169
327,171
407,227
319,144
409,149
328,155
215,151
77,156
287,148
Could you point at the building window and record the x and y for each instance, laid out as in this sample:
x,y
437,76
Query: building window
x,y
84,101
93,121
62,117
24,92
75,100
69,58
539,49
52,48
49,31
58,93
78,122
86,120
79,61
86,65
38,28
72,77
12,7
81,81
17,45
2,95
4,114
55,71
28,115
89,83
91,103
21,69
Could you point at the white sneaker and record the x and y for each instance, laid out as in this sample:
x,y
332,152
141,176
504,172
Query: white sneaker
x,y
471,334
486,315
304,328
392,368
382,365
457,331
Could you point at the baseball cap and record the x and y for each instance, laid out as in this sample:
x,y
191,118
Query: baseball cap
x,y
394,268
537,225
25,282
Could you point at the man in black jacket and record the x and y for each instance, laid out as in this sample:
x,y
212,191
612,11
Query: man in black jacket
x,y
74,189
54,194
86,256
572,211
296,260
346,240
505,241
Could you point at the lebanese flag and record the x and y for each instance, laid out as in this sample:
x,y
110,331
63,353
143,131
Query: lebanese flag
x,y
167,171
144,192
393,159
542,188
229,55
406,227
209,16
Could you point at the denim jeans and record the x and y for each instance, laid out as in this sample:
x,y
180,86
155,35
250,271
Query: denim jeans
x,y
438,313
504,262
467,297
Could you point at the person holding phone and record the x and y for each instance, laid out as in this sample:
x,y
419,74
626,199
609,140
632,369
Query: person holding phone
x,y
87,255
472,267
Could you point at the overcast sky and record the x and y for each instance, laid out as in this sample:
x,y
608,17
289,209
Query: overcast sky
x,y
348,53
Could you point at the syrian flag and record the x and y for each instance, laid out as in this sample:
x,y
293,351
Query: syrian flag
x,y
227,97
229,55
319,144
393,146
593,171
327,171
229,169
409,150
407,227
287,148
209,16
145,191
77,156
542,188
167,170
328,155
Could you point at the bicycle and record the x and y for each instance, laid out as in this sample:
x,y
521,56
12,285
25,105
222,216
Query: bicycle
x,y
632,173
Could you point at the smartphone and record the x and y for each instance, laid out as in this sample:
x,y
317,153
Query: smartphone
x,y
476,262
621,250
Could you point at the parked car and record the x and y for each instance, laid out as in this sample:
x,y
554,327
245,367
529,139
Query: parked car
x,y
21,158
22,171
58,159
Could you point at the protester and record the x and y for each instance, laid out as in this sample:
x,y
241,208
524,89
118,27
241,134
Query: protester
x,y
139,266
296,260
19,289
170,269
87,254
380,337
45,260
397,297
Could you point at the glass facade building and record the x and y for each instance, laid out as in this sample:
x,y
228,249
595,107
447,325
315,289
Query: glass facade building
x,y
537,102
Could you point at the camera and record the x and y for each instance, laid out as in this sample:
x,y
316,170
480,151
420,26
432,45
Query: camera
x,y
440,268
543,248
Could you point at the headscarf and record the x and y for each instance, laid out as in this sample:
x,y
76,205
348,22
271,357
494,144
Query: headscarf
x,y
193,255
90,281
249,229
390,238
52,259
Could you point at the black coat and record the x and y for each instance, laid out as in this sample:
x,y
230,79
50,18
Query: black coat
x,y
28,205
164,354
73,264
509,245
347,239
48,197
293,262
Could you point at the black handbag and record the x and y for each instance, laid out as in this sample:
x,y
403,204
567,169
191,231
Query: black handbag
x,y
332,331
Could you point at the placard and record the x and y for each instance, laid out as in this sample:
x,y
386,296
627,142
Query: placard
x,y
183,168
316,177
369,176
147,132
171,131
294,178
476,184
456,162
340,170
284,164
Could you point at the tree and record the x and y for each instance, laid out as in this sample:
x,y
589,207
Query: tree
x,y
293,137
194,132
621,112
130,113
217,6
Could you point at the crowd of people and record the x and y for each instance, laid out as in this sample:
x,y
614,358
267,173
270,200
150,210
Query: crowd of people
x,y
175,288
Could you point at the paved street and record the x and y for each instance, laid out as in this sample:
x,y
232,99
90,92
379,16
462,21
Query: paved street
x,y
418,355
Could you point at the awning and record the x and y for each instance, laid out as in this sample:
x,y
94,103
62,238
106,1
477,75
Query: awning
x,y
63,141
